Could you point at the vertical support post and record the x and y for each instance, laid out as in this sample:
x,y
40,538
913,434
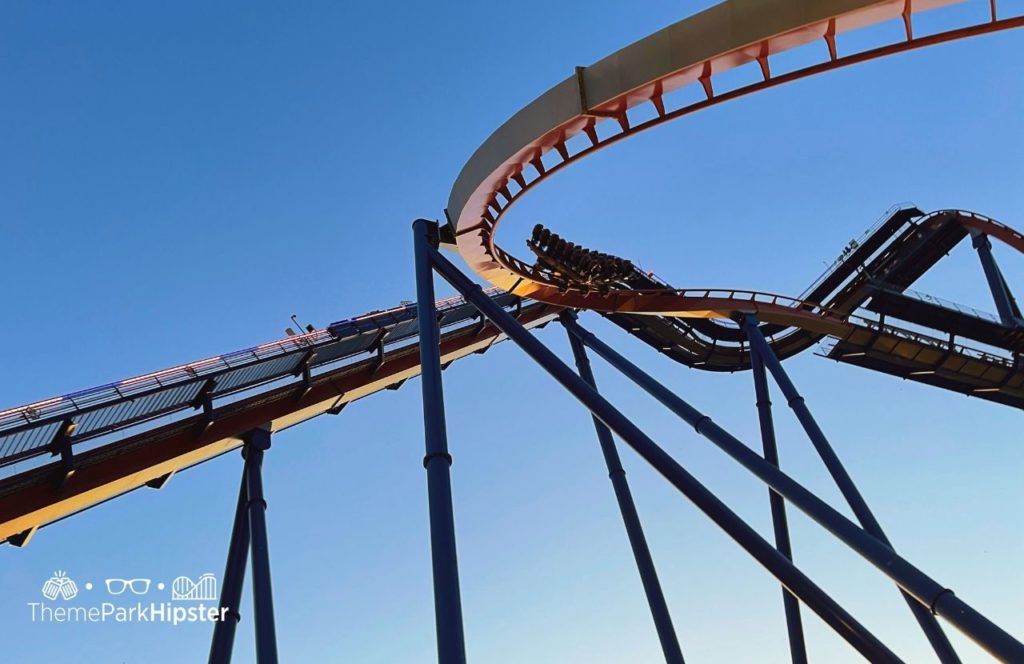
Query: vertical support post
x,y
234,578
451,648
1009,313
256,443
634,530
794,624
940,643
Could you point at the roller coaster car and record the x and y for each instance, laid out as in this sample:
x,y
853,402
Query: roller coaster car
x,y
572,266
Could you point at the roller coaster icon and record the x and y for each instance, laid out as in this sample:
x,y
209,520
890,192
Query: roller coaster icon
x,y
861,312
202,589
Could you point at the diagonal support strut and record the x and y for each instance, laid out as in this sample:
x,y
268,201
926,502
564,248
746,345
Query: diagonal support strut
x,y
741,532
780,526
937,598
764,355
634,530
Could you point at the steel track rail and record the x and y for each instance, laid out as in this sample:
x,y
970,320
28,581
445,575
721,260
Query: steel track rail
x,y
711,346
32,499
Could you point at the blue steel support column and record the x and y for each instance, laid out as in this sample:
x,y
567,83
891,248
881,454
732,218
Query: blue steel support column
x,y
634,530
451,648
1009,314
939,599
234,578
256,443
794,624
741,532
940,643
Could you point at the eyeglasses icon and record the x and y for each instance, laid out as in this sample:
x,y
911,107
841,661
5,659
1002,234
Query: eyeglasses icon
x,y
118,586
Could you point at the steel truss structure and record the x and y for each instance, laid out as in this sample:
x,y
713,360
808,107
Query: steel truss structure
x,y
926,597
114,439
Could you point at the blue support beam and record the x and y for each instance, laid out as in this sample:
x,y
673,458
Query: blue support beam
x,y
1006,305
634,530
780,526
451,648
939,599
256,443
783,569
233,580
759,347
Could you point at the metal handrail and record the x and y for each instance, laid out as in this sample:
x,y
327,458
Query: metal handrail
x,y
955,306
935,342
885,216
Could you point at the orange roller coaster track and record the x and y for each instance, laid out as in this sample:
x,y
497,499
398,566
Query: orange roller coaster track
x,y
598,102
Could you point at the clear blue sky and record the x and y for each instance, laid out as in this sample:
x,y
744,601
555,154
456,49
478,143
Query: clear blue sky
x,y
177,178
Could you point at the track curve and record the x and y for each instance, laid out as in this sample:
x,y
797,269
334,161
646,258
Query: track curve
x,y
903,247
543,137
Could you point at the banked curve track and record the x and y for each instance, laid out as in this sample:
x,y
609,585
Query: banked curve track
x,y
905,245
598,106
